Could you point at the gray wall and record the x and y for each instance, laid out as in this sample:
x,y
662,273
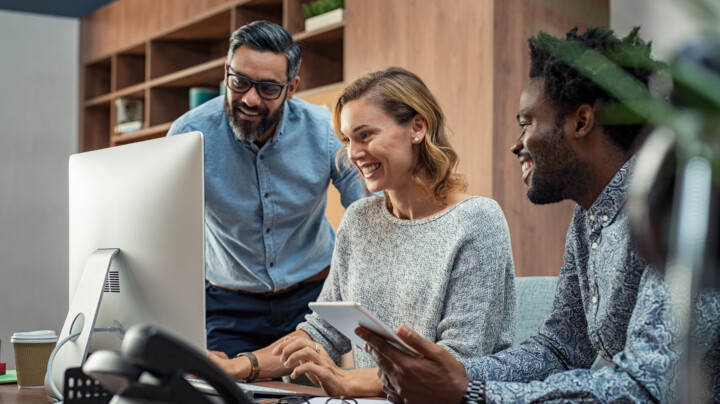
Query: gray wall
x,y
665,22
38,132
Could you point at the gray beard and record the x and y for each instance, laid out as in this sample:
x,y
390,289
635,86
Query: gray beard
x,y
243,130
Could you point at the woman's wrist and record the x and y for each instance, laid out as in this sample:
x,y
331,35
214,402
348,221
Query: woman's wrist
x,y
362,383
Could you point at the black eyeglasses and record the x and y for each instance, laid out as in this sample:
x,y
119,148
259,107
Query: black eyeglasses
x,y
304,399
268,90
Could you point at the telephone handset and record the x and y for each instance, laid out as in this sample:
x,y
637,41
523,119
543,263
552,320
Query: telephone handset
x,y
151,367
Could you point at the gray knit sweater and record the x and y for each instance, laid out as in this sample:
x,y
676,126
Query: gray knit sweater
x,y
450,277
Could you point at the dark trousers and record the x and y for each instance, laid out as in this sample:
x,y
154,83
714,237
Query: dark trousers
x,y
240,322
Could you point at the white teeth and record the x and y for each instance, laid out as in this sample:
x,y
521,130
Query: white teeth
x,y
367,170
249,113
526,166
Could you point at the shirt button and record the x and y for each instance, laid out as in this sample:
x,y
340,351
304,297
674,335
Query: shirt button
x,y
605,218
592,217
594,299
594,245
267,230
272,264
267,194
262,157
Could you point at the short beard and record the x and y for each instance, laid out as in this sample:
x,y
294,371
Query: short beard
x,y
558,174
243,130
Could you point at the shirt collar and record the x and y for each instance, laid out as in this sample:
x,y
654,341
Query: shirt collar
x,y
281,125
612,199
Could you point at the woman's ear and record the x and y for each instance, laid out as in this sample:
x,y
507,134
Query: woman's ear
x,y
584,120
418,128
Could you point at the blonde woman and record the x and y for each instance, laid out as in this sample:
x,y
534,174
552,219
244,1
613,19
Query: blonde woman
x,y
425,254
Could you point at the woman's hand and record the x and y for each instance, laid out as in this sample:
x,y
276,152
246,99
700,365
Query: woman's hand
x,y
307,357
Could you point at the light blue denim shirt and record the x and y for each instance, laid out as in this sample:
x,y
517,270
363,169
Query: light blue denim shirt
x,y
265,224
595,313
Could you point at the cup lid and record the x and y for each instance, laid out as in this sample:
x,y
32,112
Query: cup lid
x,y
34,336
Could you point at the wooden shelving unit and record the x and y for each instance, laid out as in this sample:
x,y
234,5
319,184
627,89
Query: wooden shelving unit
x,y
471,58
161,68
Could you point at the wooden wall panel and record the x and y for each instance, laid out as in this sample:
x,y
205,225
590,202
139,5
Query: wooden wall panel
x,y
473,56
126,23
471,53
449,45
537,232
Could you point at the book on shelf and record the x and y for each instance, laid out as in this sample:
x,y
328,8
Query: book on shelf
x,y
127,127
128,114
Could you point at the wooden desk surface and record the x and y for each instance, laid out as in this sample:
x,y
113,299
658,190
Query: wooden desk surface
x,y
10,394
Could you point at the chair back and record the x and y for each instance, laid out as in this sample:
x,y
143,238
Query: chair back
x,y
535,295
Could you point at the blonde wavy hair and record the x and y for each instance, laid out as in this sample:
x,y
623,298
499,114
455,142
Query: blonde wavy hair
x,y
402,95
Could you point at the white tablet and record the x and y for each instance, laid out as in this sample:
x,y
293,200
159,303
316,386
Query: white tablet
x,y
347,316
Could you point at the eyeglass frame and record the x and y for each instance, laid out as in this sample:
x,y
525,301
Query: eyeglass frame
x,y
254,83
306,399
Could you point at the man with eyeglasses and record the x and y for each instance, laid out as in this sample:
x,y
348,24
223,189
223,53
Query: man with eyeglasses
x,y
269,158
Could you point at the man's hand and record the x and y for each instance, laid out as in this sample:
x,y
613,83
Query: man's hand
x,y
435,377
219,354
237,368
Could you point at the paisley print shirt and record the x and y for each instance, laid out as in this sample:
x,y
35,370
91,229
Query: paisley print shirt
x,y
602,279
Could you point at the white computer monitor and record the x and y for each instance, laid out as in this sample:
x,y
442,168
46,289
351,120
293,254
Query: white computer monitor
x,y
146,200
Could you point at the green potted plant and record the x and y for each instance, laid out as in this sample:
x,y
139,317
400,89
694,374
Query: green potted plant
x,y
321,13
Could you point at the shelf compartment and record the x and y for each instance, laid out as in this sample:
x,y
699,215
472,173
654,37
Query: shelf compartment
x,y
196,43
167,104
136,91
209,74
323,52
130,67
294,17
96,125
103,99
97,78
255,10
152,132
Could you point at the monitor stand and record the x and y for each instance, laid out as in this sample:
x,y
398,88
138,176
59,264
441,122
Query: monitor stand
x,y
81,316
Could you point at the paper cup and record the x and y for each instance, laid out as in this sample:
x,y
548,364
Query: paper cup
x,y
32,352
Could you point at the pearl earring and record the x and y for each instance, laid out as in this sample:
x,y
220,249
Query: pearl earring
x,y
417,139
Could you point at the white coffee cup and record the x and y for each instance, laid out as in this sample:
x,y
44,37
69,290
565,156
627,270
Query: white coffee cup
x,y
32,352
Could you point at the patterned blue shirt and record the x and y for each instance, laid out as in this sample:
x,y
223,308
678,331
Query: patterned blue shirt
x,y
602,279
265,224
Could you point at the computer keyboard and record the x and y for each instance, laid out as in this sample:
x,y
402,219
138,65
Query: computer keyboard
x,y
256,390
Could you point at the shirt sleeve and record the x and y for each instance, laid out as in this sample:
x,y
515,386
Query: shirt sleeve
x,y
562,342
345,178
479,312
645,371
177,127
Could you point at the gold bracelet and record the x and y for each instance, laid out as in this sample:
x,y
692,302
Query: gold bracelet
x,y
254,366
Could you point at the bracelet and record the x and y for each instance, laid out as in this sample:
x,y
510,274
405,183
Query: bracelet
x,y
254,366
475,392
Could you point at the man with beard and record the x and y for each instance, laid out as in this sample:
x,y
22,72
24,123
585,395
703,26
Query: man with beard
x,y
269,158
609,302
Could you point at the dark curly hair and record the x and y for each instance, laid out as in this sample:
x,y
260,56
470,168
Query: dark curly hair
x,y
567,88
